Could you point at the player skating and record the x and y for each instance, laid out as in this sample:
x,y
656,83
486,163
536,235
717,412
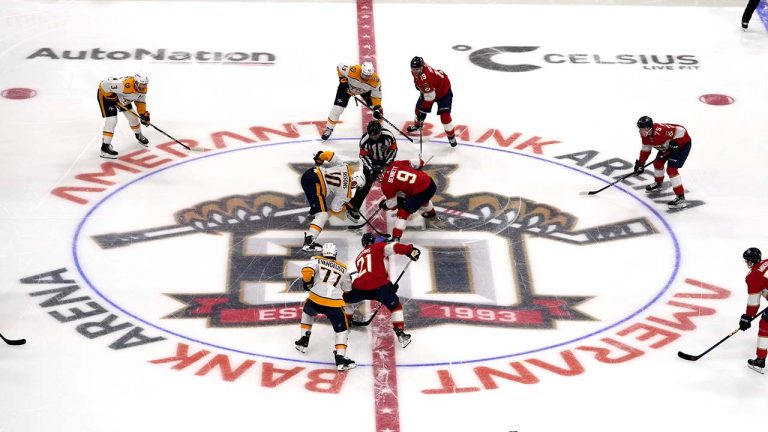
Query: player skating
x,y
757,286
406,187
372,282
328,187
326,279
123,91
434,87
356,80
673,145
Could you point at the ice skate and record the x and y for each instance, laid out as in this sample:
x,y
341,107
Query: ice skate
x,y
403,337
429,214
757,364
652,187
310,245
303,342
343,363
413,128
142,140
678,202
108,152
353,213
326,133
452,141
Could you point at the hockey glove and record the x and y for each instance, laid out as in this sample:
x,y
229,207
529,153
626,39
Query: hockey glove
x,y
414,254
378,112
383,204
745,322
639,168
376,172
664,155
317,159
144,118
395,287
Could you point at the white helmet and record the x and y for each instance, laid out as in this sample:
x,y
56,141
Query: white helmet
x,y
359,179
141,78
366,70
329,250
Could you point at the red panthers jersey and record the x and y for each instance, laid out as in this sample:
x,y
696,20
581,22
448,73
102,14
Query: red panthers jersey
x,y
372,271
402,177
757,284
432,80
663,132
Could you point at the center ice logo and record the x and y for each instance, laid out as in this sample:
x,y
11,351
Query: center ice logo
x,y
478,256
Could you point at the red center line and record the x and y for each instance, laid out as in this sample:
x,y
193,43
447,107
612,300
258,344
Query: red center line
x,y
386,407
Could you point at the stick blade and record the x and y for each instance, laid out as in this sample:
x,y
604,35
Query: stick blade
x,y
15,341
688,357
590,193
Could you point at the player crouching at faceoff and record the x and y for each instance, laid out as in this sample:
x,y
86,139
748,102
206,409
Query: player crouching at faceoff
x,y
434,87
326,279
328,187
757,286
354,80
123,91
405,180
372,282
673,144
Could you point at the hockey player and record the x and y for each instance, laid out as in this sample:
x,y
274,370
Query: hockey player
x,y
356,80
378,148
415,188
757,286
673,145
372,282
326,279
125,91
433,86
328,187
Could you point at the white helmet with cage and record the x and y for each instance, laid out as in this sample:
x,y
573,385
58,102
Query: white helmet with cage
x,y
329,250
366,70
358,179
141,79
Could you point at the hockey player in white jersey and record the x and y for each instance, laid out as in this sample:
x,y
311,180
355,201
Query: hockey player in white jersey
x,y
326,279
328,187
355,80
123,91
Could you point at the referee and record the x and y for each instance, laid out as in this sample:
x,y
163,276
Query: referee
x,y
378,149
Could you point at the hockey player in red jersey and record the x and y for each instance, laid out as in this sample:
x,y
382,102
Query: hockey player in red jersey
x,y
434,87
673,145
757,286
372,282
405,180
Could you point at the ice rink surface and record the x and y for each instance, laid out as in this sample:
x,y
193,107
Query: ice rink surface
x,y
533,309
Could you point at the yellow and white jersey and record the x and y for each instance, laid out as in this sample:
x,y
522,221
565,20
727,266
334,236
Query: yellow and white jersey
x,y
358,85
332,279
335,180
125,91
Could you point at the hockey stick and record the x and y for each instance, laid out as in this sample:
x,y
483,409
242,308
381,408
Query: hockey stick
x,y
617,180
689,357
373,315
195,149
384,118
13,341
368,222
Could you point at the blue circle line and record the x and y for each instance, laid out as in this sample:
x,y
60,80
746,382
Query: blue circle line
x,y
517,354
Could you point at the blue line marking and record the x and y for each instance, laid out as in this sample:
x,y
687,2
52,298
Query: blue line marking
x,y
618,186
